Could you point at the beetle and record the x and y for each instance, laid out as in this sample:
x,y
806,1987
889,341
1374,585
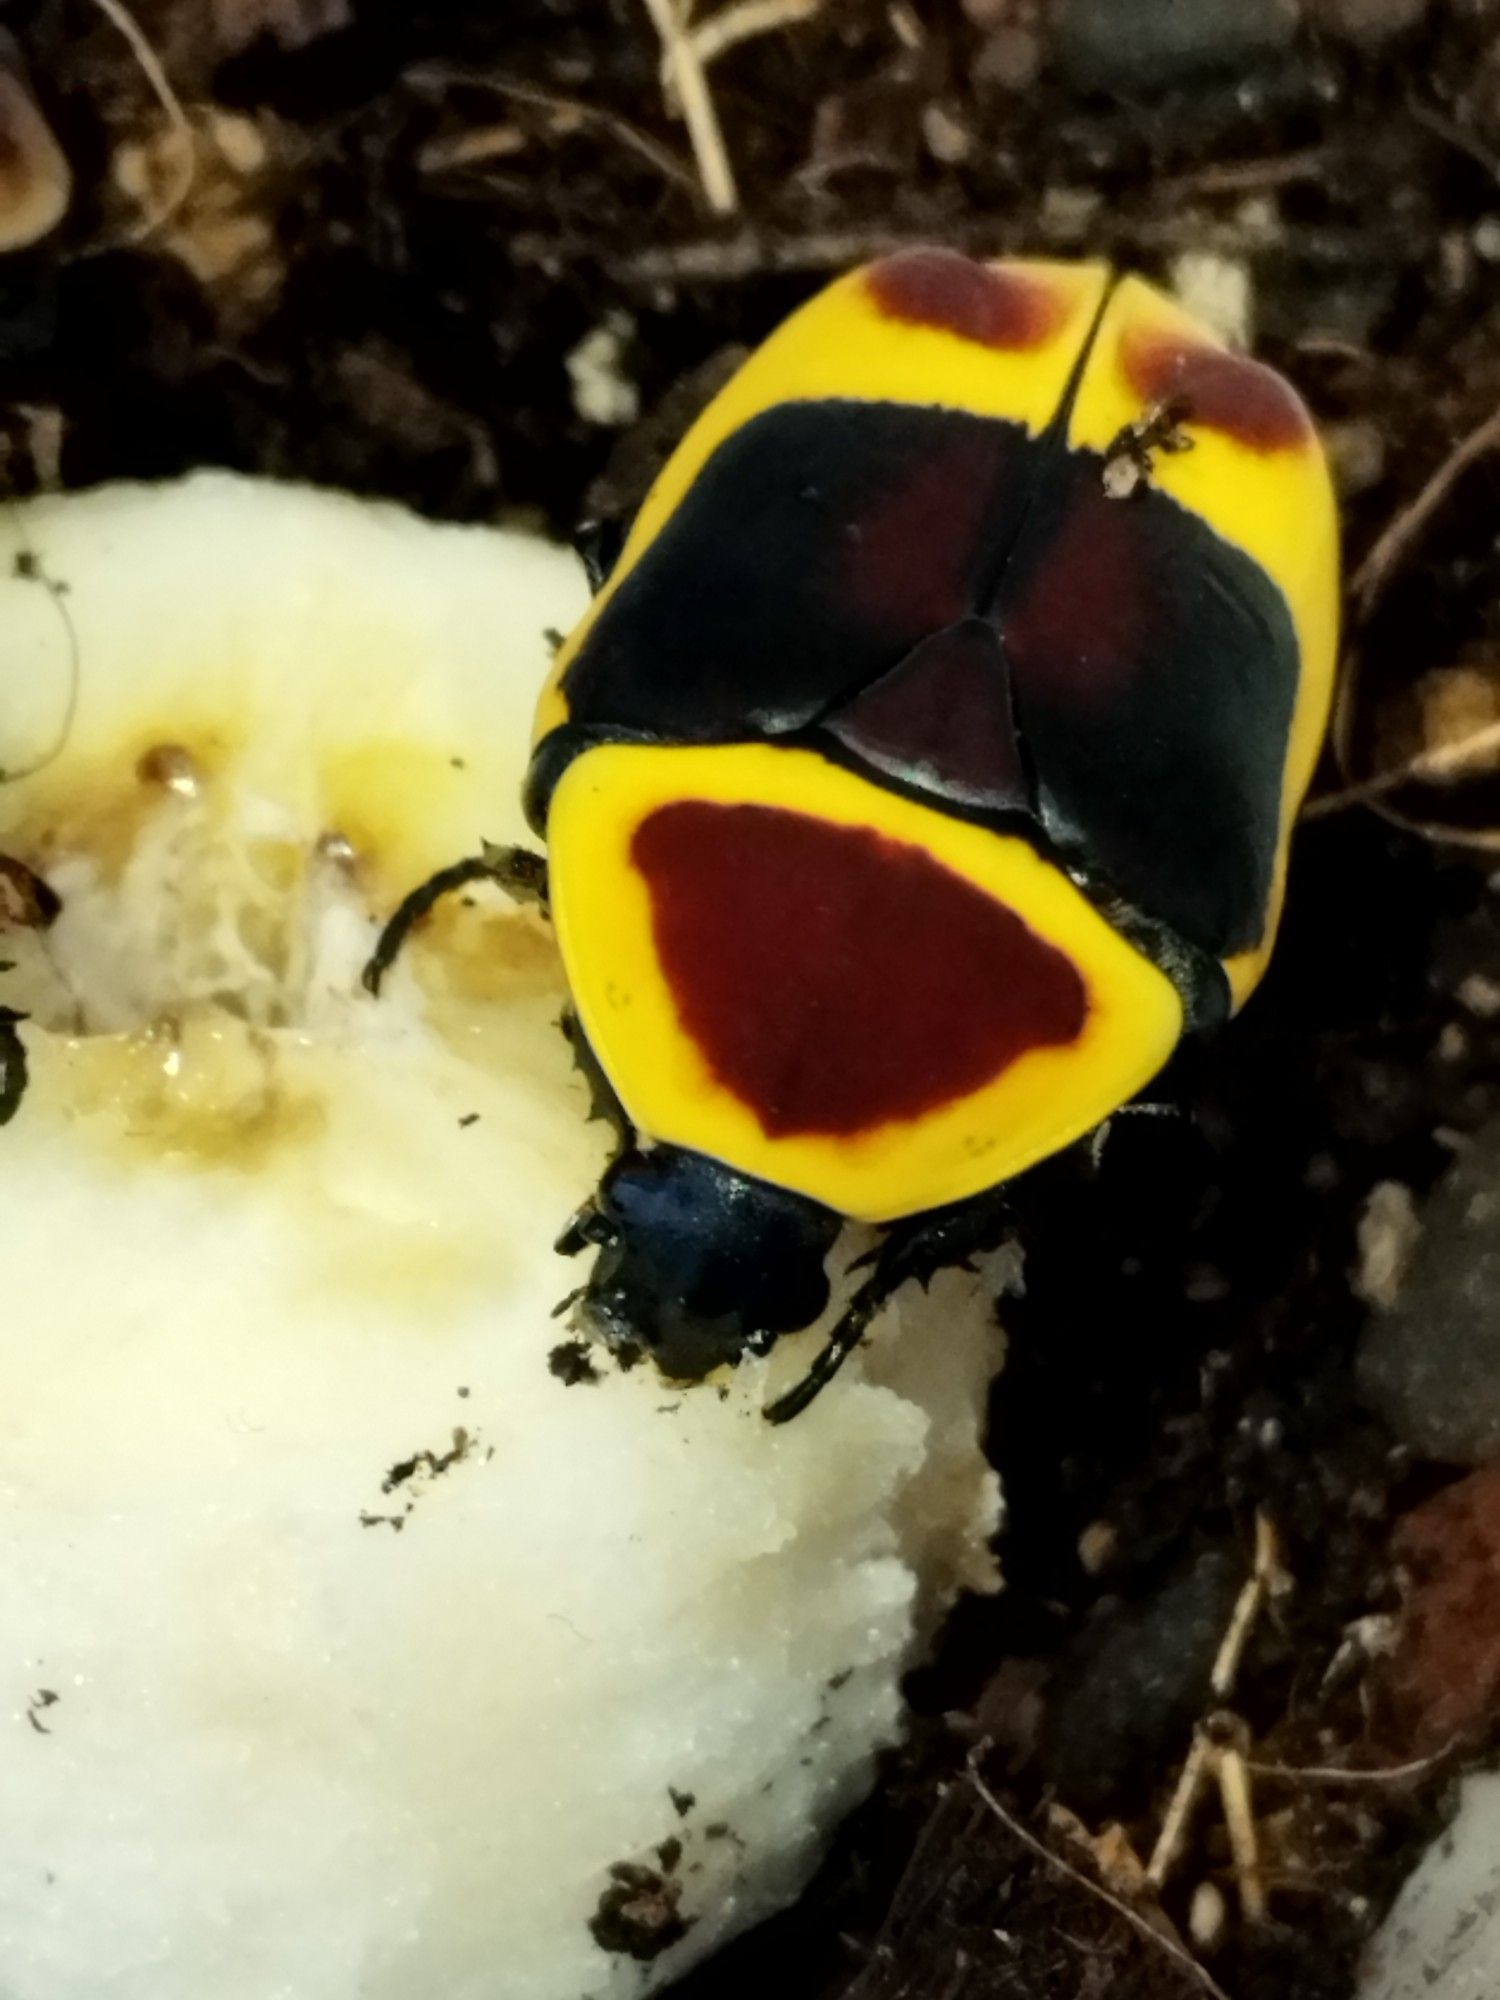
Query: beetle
x,y
920,775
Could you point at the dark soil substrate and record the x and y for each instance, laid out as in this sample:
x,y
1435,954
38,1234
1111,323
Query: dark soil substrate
x,y
440,202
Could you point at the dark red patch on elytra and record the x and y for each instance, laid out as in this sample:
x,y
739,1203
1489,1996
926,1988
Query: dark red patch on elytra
x,y
1081,623
990,304
1225,392
835,980
909,551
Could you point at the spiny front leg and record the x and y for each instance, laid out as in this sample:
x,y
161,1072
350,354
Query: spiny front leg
x,y
916,1248
516,870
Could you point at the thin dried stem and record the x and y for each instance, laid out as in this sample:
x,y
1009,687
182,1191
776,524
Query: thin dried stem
x,y
1139,1924
1445,764
1334,1774
155,218
1233,1773
1264,1576
1206,1758
742,21
699,115
1393,546
557,105
1185,1795
475,148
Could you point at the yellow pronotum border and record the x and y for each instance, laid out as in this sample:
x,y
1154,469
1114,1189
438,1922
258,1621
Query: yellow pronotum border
x,y
1277,505
1044,1100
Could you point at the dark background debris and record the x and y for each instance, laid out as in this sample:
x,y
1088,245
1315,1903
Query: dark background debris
x,y
1431,1364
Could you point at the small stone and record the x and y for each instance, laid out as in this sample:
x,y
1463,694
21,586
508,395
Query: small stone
x,y
1070,211
1128,46
603,393
1208,1916
1452,1043
1097,1547
1486,239
1479,995
947,138
1441,1940
1217,291
1204,1285
1010,59
1356,455
1387,1235
1440,1683
1431,1365
1134,1682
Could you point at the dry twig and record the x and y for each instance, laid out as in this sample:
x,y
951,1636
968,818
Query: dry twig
x,y
741,21
750,253
120,17
1334,1774
556,105
1139,1924
1233,1773
1393,546
1240,177
1445,764
1217,1751
669,17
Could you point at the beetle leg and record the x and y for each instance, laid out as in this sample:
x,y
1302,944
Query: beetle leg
x,y
1099,1138
598,544
520,873
603,1103
918,1248
12,1065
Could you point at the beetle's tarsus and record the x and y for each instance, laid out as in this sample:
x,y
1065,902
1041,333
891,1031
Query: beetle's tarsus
x,y
516,870
915,1249
841,1343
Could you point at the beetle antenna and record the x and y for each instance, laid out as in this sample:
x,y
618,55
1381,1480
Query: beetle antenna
x,y
521,874
853,1325
917,1248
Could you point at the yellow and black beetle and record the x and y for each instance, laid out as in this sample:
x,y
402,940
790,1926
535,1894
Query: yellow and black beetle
x,y
921,772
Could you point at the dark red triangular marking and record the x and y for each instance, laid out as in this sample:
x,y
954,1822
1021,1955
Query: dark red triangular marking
x,y
835,980
942,720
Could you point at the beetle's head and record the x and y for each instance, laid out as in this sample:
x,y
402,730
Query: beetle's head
x,y
699,1265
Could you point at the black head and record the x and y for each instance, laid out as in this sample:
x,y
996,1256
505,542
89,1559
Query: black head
x,y
699,1265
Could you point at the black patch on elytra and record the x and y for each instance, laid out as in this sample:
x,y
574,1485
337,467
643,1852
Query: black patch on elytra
x,y
817,546
1154,672
962,613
